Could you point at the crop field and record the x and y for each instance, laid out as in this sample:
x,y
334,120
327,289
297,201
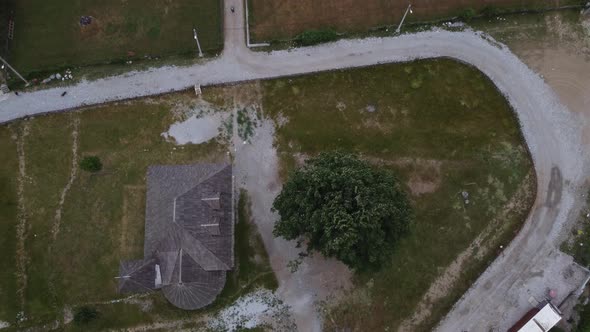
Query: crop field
x,y
49,35
271,20
444,129
65,230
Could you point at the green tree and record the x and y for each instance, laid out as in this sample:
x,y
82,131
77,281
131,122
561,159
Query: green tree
x,y
467,14
91,164
344,208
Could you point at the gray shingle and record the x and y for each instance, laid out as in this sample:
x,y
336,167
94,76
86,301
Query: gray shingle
x,y
189,233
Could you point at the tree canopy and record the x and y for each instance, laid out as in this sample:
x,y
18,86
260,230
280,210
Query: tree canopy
x,y
344,208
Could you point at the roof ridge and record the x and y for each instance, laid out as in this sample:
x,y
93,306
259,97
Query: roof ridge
x,y
219,264
225,165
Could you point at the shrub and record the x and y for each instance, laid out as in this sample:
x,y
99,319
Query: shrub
x,y
491,11
85,315
467,14
91,164
344,208
313,37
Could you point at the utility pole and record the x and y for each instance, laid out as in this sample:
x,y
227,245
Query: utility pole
x,y
399,27
14,70
198,44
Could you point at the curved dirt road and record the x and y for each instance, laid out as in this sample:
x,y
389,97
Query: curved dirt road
x,y
530,265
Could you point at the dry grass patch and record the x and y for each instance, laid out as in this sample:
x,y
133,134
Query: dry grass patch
x,y
285,19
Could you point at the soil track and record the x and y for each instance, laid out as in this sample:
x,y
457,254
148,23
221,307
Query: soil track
x,y
531,264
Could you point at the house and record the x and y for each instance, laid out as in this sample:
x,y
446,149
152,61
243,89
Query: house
x,y
189,235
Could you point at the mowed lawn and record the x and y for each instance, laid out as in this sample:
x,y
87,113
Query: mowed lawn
x,y
48,34
102,216
270,19
443,128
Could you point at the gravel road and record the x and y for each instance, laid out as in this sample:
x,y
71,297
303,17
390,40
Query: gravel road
x,y
529,266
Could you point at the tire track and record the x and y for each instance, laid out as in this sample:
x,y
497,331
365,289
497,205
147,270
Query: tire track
x,y
73,174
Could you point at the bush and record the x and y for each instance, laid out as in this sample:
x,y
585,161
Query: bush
x,y
467,14
85,315
491,11
314,37
344,208
91,164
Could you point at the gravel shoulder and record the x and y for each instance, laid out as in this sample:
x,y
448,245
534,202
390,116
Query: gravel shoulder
x,y
531,264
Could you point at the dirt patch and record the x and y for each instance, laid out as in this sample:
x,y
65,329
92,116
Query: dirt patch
x,y
425,174
91,30
245,94
375,124
73,173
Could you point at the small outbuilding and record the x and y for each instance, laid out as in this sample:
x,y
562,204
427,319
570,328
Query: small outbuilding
x,y
189,235
540,319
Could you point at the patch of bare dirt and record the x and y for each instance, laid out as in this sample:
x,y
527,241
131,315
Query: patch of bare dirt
x,y
425,174
245,94
72,178
375,124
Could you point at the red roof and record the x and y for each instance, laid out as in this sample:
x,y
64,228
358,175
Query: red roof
x,y
525,319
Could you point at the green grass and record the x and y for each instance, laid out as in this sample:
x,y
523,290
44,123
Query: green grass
x,y
436,123
427,113
9,305
279,23
554,28
48,35
579,244
103,214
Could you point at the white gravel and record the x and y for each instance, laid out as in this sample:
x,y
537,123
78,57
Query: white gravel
x,y
261,307
4,325
553,134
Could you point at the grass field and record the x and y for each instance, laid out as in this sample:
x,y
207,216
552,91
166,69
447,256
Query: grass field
x,y
443,128
102,215
48,34
440,125
278,20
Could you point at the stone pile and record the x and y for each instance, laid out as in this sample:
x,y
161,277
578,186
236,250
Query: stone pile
x,y
66,76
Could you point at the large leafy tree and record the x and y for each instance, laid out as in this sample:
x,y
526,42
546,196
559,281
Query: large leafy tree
x,y
344,208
